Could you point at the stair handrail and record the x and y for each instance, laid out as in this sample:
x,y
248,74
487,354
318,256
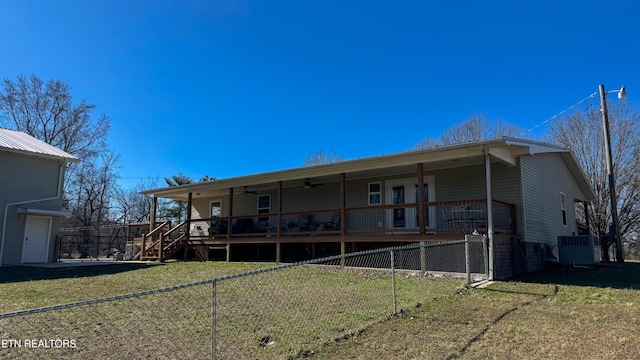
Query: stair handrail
x,y
175,228
150,235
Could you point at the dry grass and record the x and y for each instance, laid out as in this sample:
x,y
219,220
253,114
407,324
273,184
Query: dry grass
x,y
30,287
278,314
559,314
326,313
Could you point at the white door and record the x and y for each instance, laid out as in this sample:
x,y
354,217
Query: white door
x,y
36,239
405,191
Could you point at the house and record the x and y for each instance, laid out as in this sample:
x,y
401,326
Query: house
x,y
521,194
30,197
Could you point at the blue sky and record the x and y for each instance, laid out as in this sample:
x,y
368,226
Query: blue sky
x,y
228,87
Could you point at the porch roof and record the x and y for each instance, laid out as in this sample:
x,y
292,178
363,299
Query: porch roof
x,y
505,150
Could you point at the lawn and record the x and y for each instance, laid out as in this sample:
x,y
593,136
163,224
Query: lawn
x,y
329,313
557,314
24,287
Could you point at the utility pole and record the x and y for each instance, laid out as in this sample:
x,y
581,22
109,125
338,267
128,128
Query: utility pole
x,y
615,229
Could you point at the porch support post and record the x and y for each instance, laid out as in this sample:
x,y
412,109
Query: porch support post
x,y
343,204
279,221
152,214
229,217
188,229
343,220
229,225
161,248
152,223
421,213
487,166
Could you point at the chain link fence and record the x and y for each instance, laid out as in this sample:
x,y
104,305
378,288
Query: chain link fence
x,y
284,312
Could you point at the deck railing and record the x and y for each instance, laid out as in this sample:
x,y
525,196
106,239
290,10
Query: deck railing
x,y
446,218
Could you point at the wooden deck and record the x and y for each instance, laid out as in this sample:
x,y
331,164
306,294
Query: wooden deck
x,y
442,221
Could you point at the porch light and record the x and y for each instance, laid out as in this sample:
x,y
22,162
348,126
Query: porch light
x,y
615,228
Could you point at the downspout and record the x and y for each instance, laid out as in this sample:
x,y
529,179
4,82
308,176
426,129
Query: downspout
x,y
487,166
6,208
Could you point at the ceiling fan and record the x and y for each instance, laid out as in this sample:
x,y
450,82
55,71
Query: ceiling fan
x,y
246,191
308,184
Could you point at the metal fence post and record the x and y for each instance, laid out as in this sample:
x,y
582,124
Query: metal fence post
x,y
213,319
423,258
466,259
393,283
485,253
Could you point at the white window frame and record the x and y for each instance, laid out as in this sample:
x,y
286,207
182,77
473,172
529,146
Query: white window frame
x,y
263,208
211,207
563,208
379,193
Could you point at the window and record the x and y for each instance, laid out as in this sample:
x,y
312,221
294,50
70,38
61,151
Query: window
x,y
563,208
216,208
264,206
375,193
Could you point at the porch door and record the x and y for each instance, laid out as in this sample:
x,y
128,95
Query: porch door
x,y
37,233
405,191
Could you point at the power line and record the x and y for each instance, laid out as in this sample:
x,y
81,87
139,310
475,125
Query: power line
x,y
558,114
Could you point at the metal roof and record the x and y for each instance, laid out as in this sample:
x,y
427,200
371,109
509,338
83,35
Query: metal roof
x,y
504,149
19,142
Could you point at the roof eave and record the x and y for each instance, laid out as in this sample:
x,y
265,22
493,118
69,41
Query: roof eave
x,y
504,149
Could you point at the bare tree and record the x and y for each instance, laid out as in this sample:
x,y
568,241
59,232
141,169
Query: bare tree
x,y
582,132
131,206
46,111
501,128
207,178
321,158
90,204
475,128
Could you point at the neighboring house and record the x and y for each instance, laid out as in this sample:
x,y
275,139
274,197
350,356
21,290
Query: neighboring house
x,y
31,186
361,204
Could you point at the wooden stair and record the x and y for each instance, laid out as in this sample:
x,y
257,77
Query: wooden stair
x,y
152,252
175,246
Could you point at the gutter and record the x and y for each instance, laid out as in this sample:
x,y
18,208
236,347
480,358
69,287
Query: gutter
x,y
6,208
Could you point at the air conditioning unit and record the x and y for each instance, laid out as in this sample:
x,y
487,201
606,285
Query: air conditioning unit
x,y
578,249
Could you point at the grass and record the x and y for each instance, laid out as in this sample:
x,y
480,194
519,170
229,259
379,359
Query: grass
x,y
328,313
557,314
31,287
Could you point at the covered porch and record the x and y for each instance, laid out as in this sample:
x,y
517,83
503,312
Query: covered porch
x,y
341,207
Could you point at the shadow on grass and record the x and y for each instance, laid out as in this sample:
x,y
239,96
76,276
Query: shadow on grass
x,y
612,275
12,274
